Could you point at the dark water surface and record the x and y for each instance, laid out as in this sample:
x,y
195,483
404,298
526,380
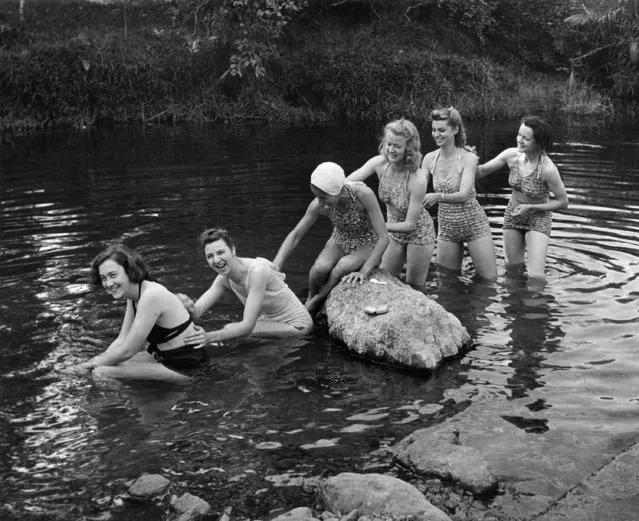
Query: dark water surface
x,y
264,414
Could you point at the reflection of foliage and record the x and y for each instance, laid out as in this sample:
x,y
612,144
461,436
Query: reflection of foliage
x,y
611,58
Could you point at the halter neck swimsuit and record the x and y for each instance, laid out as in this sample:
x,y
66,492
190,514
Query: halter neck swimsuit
x,y
184,357
458,222
534,187
352,228
397,199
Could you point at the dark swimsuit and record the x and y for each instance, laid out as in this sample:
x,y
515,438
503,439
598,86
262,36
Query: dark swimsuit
x,y
184,357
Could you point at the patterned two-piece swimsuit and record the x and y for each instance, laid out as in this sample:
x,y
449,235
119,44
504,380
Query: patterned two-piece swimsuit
x,y
352,228
532,186
458,222
397,200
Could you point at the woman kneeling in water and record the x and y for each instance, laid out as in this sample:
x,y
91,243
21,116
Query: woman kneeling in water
x,y
270,307
153,313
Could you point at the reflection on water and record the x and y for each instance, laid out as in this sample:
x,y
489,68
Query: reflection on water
x,y
270,412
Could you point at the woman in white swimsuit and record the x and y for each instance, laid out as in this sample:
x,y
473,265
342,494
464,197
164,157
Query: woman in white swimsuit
x,y
271,309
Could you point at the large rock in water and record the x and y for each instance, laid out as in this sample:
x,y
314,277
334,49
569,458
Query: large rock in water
x,y
377,495
416,332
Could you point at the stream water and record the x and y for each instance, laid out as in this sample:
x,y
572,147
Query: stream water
x,y
268,413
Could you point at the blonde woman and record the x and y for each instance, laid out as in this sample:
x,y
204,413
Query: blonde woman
x,y
402,187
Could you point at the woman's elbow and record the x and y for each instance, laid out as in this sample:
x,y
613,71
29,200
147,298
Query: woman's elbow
x,y
410,226
128,354
245,328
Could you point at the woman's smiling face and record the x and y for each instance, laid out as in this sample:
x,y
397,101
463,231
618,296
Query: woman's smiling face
x,y
526,140
395,147
114,278
442,131
218,254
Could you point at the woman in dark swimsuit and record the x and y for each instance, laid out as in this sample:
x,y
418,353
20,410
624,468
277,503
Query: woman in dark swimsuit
x,y
533,177
153,314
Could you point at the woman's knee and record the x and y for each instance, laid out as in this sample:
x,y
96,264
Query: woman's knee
x,y
346,265
320,270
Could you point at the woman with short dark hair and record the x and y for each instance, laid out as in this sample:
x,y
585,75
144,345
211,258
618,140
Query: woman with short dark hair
x,y
271,309
153,314
533,177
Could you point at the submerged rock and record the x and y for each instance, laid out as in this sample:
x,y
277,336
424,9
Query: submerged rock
x,y
377,494
149,485
297,514
415,332
187,502
442,454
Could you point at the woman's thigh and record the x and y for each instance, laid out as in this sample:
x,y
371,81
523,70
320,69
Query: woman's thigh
x,y
482,252
514,246
140,371
328,257
450,254
351,262
418,258
394,258
267,329
536,252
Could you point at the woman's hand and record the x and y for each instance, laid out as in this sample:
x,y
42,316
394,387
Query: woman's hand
x,y
431,199
356,276
84,368
187,302
522,209
196,339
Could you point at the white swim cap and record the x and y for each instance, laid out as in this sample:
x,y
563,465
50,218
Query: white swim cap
x,y
328,177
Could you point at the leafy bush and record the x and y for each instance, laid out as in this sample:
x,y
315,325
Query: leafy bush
x,y
610,47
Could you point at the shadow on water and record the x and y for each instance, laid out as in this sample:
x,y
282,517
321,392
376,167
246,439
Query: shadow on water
x,y
266,414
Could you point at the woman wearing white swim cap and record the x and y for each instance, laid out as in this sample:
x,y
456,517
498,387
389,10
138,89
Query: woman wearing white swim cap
x,y
359,236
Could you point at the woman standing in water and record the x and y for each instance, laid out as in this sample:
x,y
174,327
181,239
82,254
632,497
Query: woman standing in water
x,y
153,313
359,235
460,218
402,187
270,307
532,177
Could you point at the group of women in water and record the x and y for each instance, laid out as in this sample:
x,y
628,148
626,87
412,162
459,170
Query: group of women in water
x,y
361,241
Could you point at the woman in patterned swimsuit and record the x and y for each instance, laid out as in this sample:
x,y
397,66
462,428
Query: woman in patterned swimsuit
x,y
533,176
402,186
460,218
359,235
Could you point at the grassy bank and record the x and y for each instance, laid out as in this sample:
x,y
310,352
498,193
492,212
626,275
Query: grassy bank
x,y
77,63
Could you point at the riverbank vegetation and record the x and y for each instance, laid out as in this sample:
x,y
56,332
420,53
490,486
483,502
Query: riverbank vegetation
x,y
148,61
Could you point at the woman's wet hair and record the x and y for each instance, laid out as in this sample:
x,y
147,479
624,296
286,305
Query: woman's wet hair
x,y
542,131
406,129
454,119
133,263
215,234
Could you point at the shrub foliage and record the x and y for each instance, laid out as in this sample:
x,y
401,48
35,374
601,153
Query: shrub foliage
x,y
204,60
